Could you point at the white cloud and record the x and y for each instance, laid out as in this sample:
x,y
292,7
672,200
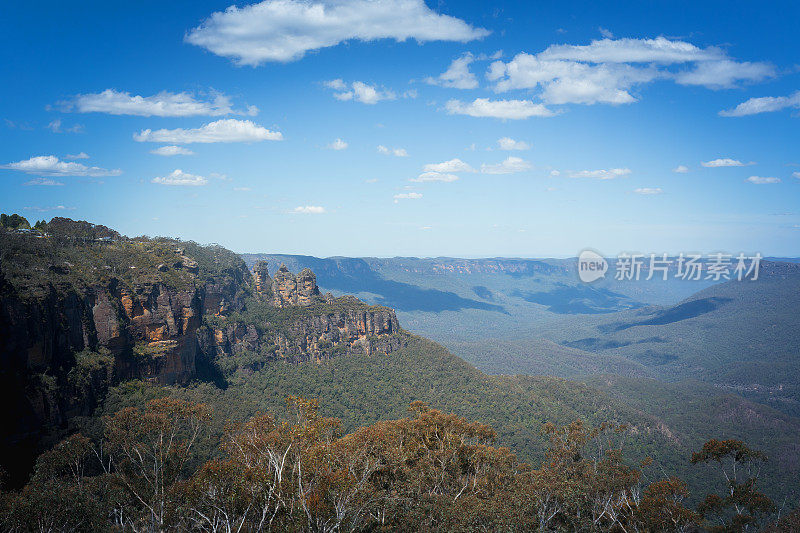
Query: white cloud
x,y
163,104
504,109
605,32
601,174
284,30
309,210
171,150
55,127
457,75
222,131
453,165
50,208
507,143
180,178
555,172
50,165
407,196
724,162
337,84
509,165
648,190
681,169
606,70
242,189
563,81
435,176
796,174
359,91
397,152
724,74
658,50
762,180
338,144
766,104
43,182
82,155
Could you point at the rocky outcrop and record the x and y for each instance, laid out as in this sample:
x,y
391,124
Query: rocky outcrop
x,y
288,289
76,327
261,280
145,330
305,326
356,331
349,327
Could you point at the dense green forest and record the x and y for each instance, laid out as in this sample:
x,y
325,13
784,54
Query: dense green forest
x,y
430,471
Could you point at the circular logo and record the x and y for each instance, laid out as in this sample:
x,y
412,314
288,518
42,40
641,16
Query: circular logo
x,y
591,266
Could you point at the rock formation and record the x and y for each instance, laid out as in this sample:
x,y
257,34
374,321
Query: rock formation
x,y
68,330
288,289
261,279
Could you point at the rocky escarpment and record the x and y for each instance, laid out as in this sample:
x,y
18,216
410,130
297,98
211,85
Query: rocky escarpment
x,y
80,314
298,324
84,308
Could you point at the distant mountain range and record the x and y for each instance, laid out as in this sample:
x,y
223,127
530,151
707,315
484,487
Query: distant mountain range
x,y
535,317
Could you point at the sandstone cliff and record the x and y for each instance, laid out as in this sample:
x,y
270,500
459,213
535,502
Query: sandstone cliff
x,y
80,312
292,321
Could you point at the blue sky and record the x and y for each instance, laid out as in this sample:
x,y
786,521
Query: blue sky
x,y
398,127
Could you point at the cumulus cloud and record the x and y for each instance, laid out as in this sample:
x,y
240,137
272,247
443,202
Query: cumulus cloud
x,y
359,91
285,30
309,210
765,104
510,165
453,165
397,152
601,174
180,178
724,162
50,165
171,150
457,75
763,180
648,190
163,104
435,176
222,131
338,144
606,70
407,196
796,174
503,109
507,143
681,169
82,155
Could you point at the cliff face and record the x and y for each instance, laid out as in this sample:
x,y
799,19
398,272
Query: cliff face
x,y
298,324
77,315
81,314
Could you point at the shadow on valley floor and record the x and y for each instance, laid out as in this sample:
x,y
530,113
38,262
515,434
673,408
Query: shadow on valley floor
x,y
684,311
579,299
352,275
